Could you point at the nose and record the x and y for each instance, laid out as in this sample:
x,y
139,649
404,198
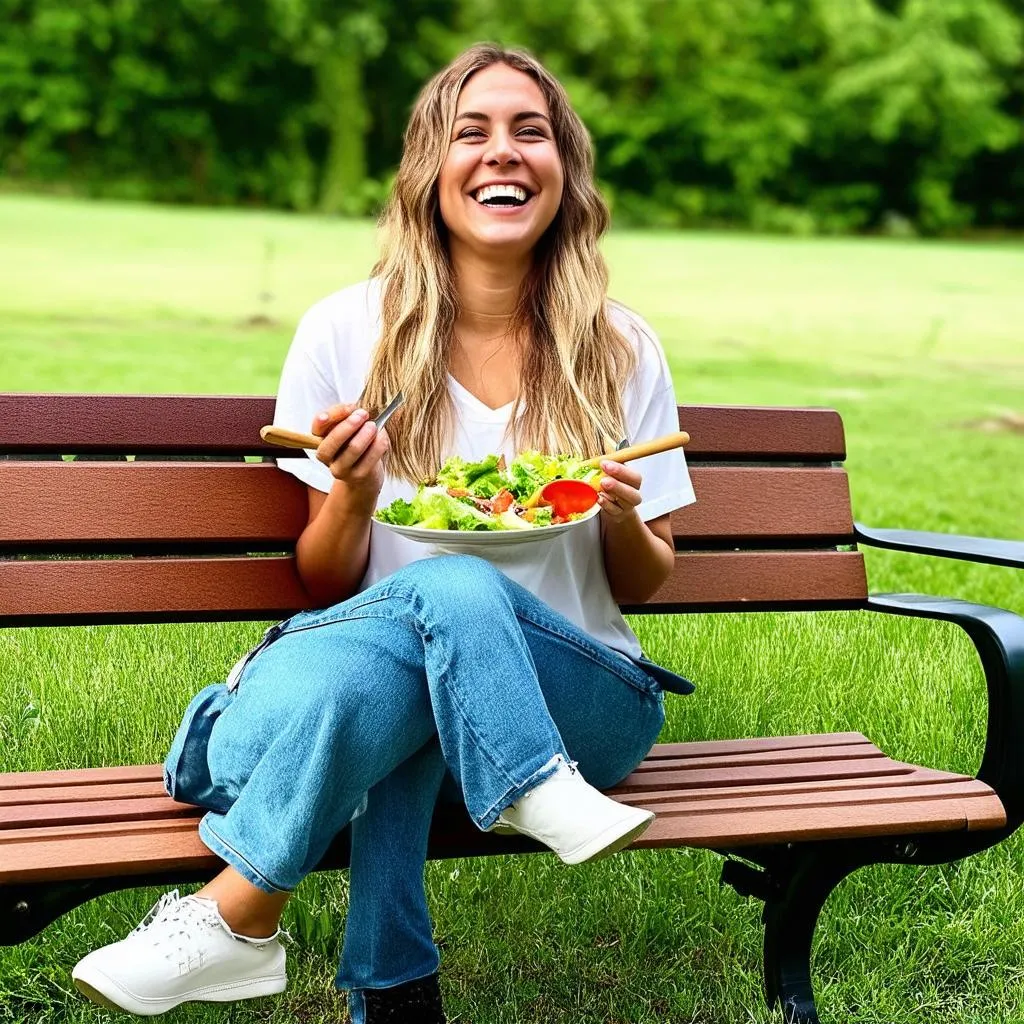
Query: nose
x,y
502,151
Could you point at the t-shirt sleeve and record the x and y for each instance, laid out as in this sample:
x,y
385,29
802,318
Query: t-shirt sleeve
x,y
304,391
650,408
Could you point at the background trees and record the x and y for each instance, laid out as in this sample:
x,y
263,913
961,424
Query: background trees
x,y
793,115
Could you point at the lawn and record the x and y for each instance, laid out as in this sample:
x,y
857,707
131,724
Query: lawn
x,y
916,343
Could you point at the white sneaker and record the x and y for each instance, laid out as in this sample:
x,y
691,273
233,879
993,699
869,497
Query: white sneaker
x,y
183,950
573,818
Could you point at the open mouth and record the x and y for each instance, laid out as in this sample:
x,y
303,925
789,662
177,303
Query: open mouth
x,y
496,196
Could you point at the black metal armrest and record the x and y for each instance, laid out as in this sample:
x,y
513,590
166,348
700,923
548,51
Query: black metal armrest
x,y
945,545
998,636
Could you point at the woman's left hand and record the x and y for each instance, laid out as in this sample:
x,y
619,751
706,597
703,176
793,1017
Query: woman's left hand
x,y
620,491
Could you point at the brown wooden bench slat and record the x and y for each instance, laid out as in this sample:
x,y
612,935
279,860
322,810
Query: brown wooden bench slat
x,y
925,784
735,578
710,748
752,758
61,793
151,589
919,777
14,838
64,790
253,505
150,424
161,503
727,432
75,812
744,505
744,778
83,777
184,589
108,849
742,799
754,827
755,775
208,424
63,807
114,849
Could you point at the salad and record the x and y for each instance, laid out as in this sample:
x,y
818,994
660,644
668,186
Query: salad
x,y
488,495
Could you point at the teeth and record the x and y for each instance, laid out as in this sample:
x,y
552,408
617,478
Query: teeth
x,y
501,192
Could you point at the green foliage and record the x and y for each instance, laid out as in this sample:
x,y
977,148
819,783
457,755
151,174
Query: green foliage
x,y
798,116
790,115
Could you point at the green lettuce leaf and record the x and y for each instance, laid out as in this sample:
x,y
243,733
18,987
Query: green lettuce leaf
x,y
542,516
481,478
434,509
400,513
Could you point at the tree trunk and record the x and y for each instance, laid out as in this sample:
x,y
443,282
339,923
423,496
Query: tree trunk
x,y
339,75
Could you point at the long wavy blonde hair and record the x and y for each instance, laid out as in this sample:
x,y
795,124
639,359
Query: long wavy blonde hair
x,y
574,359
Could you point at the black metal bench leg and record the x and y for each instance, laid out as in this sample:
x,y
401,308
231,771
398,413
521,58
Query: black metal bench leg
x,y
25,910
800,886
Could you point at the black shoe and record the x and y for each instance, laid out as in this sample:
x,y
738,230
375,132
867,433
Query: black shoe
x,y
414,1002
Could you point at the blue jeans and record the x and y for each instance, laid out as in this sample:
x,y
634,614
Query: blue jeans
x,y
447,664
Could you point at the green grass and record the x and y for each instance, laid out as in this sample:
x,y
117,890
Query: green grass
x,y
917,344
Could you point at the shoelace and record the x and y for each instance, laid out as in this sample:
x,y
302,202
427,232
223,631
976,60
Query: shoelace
x,y
173,921
157,911
186,912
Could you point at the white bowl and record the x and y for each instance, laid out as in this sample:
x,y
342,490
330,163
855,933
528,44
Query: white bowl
x,y
477,542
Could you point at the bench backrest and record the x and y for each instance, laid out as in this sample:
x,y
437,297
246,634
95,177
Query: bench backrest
x,y
160,516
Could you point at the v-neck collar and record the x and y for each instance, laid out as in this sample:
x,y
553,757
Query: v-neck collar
x,y
481,409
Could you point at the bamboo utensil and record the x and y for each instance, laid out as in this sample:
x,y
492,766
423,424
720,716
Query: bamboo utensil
x,y
296,439
641,450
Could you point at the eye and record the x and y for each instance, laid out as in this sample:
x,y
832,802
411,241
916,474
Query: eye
x,y
533,131
470,133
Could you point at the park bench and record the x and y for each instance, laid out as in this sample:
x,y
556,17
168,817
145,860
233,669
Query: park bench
x,y
160,517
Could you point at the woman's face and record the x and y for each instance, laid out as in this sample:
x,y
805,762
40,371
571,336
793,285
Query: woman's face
x,y
501,183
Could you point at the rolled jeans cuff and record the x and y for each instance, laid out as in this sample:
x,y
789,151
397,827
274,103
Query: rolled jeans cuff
x,y
355,989
234,859
544,772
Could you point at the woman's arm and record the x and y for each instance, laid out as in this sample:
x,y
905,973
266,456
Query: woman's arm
x,y
638,556
332,551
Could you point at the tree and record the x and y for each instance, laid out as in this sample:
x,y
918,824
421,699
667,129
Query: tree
x,y
914,96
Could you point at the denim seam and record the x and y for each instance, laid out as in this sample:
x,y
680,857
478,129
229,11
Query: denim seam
x,y
240,863
333,621
268,642
249,659
592,655
478,740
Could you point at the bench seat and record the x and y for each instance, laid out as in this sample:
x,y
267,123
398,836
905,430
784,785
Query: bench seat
x,y
170,508
99,822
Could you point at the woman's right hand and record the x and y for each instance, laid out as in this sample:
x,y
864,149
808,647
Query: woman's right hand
x,y
353,450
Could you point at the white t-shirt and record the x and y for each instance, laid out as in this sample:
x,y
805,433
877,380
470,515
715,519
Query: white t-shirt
x,y
328,363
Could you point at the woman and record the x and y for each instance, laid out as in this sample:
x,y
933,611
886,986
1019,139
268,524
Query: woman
x,y
488,311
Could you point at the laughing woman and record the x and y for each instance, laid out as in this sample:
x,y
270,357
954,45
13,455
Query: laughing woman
x,y
488,310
